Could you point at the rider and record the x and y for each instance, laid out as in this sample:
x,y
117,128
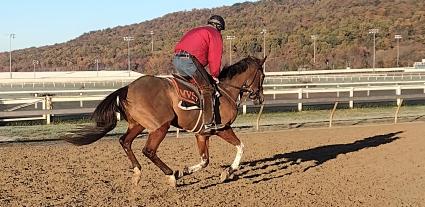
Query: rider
x,y
199,47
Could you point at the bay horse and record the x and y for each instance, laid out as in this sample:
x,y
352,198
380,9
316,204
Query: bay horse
x,y
151,103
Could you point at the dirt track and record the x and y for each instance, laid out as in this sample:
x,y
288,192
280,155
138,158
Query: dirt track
x,y
356,166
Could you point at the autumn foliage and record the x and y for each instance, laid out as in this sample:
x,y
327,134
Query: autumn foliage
x,y
342,29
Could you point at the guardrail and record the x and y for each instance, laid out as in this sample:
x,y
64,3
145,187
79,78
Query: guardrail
x,y
305,92
302,97
47,107
47,111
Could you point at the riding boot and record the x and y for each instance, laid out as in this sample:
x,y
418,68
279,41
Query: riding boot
x,y
207,92
207,107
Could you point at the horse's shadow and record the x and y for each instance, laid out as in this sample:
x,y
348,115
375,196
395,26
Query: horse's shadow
x,y
274,167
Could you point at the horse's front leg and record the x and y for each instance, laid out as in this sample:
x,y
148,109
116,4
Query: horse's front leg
x,y
229,136
202,142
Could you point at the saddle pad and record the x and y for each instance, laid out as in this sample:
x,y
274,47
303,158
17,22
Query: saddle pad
x,y
186,92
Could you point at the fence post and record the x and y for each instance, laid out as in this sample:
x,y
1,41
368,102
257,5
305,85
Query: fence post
x,y
36,103
368,91
81,102
306,93
331,117
398,93
351,103
43,106
337,92
300,97
48,107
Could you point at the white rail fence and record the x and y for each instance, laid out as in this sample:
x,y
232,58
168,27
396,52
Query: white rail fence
x,y
302,97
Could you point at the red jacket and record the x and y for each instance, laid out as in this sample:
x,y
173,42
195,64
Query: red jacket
x,y
206,44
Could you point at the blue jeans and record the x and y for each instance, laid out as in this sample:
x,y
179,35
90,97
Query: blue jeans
x,y
184,66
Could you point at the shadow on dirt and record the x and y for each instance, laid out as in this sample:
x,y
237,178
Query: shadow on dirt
x,y
272,167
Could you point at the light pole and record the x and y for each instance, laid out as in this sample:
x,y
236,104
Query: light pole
x,y
374,31
398,37
11,36
230,38
314,38
34,62
152,40
97,67
128,39
264,31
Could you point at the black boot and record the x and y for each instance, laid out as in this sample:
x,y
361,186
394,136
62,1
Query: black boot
x,y
207,92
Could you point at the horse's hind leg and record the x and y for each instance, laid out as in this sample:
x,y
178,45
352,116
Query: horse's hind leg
x,y
126,140
155,138
203,142
229,136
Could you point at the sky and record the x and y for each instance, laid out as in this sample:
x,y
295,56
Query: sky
x,y
45,22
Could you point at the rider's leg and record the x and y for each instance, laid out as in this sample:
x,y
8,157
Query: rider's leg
x,y
207,97
184,66
216,107
209,101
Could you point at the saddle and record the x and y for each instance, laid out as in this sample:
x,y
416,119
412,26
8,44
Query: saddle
x,y
188,93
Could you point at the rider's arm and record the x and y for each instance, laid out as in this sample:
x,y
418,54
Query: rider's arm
x,y
214,53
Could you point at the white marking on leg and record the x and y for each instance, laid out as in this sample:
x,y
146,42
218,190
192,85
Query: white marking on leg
x,y
136,175
199,166
239,153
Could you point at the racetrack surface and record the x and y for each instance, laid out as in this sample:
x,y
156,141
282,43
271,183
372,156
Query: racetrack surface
x,y
375,165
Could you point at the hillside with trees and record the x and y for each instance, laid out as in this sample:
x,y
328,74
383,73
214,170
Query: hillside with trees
x,y
341,28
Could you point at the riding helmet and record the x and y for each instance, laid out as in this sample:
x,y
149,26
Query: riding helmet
x,y
217,21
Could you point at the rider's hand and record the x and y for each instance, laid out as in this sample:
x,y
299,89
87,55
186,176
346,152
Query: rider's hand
x,y
216,80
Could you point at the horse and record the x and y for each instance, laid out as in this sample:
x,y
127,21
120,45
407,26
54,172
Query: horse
x,y
151,103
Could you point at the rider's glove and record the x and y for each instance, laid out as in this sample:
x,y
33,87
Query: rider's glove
x,y
216,80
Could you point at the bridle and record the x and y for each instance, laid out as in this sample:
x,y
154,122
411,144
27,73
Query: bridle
x,y
254,94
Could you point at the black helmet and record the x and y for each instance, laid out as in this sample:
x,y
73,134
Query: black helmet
x,y
217,21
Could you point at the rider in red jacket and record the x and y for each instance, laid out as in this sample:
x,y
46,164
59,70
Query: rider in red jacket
x,y
206,45
198,48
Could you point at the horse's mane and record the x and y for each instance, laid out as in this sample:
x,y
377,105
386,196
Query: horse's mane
x,y
229,71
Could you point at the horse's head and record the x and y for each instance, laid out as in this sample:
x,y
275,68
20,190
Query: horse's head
x,y
255,86
246,75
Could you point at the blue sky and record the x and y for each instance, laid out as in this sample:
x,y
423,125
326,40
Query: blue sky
x,y
46,22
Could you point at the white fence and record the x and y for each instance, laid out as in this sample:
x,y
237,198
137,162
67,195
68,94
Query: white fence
x,y
302,96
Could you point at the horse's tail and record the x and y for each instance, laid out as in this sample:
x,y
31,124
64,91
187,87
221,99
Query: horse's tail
x,y
105,118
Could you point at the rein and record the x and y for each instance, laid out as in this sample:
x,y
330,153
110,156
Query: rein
x,y
235,103
244,88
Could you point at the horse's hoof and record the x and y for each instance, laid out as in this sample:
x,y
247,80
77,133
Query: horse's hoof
x,y
225,175
180,173
136,176
171,181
